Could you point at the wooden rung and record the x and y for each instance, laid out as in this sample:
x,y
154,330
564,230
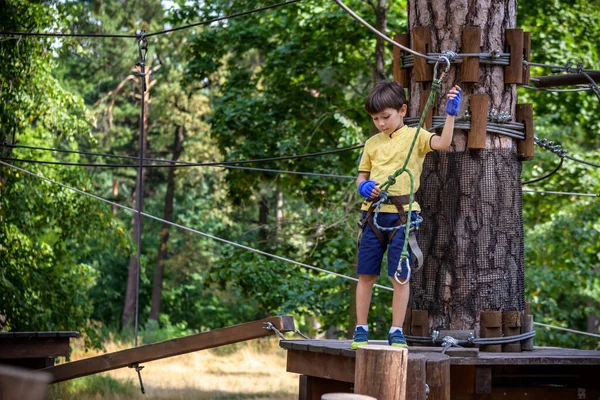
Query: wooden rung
x,y
511,326
513,73
478,105
525,148
400,74
490,326
169,348
469,69
420,323
421,37
428,123
526,57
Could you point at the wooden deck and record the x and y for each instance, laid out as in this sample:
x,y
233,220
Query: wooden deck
x,y
545,373
34,350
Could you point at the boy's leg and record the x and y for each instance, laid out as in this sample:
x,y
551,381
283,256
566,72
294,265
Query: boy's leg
x,y
399,302
364,291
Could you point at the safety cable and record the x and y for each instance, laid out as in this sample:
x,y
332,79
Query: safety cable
x,y
561,193
583,161
550,90
209,21
541,178
111,35
567,329
187,228
383,36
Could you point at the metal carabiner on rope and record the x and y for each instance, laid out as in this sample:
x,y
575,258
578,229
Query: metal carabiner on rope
x,y
399,271
445,71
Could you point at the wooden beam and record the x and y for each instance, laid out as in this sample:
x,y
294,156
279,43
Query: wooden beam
x,y
469,70
421,38
490,326
400,74
169,348
526,148
381,372
565,80
17,383
34,347
513,73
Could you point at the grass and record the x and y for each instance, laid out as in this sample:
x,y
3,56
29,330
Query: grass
x,y
249,370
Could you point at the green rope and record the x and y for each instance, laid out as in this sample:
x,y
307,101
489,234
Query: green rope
x,y
435,86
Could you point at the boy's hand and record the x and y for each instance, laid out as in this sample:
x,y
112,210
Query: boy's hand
x,y
369,189
453,103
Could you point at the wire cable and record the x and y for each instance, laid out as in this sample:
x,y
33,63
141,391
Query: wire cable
x,y
583,161
210,21
541,178
207,235
561,193
567,330
114,35
383,36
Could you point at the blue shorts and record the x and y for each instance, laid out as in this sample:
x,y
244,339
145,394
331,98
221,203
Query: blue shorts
x,y
371,251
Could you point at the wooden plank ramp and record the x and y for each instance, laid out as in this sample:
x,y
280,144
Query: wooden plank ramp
x,y
169,348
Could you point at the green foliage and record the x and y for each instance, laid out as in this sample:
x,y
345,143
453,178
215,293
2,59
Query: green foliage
x,y
93,385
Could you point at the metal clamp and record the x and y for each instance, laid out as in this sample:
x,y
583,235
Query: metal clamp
x,y
270,327
138,368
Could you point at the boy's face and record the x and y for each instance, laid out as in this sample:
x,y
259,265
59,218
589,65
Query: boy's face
x,y
389,120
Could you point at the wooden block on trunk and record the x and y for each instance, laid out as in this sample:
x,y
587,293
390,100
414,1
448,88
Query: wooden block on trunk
x,y
406,326
469,70
526,57
525,148
511,326
479,105
400,74
513,73
420,323
527,326
490,326
421,37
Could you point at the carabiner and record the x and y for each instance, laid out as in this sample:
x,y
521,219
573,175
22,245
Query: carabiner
x,y
435,67
399,270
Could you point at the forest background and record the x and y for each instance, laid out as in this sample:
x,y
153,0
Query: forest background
x,y
286,81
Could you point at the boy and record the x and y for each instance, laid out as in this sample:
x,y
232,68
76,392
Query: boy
x,y
383,154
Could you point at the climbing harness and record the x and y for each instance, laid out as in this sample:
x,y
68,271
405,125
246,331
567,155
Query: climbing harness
x,y
406,223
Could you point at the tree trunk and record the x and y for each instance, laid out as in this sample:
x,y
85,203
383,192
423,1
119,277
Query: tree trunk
x,y
471,200
381,25
165,229
263,215
134,269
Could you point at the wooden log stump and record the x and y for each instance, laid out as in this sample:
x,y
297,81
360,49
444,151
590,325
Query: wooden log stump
x,y
511,326
438,377
18,383
491,326
527,326
416,379
381,372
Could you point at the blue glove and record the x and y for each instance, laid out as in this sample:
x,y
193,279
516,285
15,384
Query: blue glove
x,y
365,188
453,105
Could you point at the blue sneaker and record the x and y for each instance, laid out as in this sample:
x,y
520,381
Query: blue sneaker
x,y
360,338
397,339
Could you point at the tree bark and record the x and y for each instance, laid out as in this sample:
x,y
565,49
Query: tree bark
x,y
165,229
471,200
381,25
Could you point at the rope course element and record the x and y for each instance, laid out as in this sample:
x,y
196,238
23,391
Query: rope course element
x,y
575,89
230,242
115,35
515,130
559,151
494,58
567,330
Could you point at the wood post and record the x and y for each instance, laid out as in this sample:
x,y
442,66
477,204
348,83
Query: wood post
x,y
421,38
525,148
419,323
513,73
381,372
438,377
511,326
416,380
490,326
428,123
478,105
18,383
526,57
469,69
527,326
400,74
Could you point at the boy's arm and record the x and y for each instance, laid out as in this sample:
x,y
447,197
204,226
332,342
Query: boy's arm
x,y
444,141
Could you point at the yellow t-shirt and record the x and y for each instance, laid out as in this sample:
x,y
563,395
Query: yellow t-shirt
x,y
383,155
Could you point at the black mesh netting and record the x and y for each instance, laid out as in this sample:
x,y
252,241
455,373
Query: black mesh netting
x,y
471,237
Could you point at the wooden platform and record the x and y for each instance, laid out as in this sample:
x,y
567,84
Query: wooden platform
x,y
545,373
34,350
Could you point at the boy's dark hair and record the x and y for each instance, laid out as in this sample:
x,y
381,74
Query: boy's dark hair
x,y
385,95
